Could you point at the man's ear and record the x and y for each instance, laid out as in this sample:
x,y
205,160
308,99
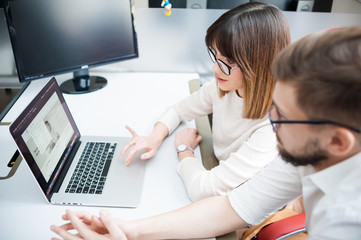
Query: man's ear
x,y
342,141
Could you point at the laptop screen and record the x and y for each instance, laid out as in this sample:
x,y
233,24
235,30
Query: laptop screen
x,y
45,133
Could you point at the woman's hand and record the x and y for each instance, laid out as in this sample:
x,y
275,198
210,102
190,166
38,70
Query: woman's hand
x,y
149,143
189,137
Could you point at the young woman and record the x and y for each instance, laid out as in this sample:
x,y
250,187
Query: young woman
x,y
242,43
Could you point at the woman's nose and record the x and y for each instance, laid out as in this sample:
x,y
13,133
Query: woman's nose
x,y
216,69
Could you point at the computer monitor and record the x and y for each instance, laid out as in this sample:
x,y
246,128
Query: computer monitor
x,y
51,37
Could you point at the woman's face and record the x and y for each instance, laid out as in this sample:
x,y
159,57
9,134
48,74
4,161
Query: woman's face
x,y
228,83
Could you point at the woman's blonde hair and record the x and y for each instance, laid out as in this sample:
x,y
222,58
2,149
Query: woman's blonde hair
x,y
251,35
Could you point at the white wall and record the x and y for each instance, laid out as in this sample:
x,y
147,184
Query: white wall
x,y
345,6
142,3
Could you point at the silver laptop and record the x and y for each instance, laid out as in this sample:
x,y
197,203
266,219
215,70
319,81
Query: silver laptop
x,y
70,168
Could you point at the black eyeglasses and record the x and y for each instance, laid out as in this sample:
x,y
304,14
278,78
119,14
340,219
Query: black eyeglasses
x,y
276,124
225,68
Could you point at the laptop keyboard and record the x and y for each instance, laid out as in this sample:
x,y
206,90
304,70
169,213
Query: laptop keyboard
x,y
91,171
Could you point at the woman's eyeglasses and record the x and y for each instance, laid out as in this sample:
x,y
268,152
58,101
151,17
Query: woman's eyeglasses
x,y
225,68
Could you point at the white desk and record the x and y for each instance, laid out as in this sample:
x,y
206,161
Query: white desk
x,y
137,99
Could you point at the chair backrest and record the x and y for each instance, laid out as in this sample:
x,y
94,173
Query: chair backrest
x,y
283,228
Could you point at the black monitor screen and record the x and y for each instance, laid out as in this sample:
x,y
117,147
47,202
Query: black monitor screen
x,y
50,37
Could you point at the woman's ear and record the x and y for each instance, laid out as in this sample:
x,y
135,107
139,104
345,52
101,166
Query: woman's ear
x,y
342,141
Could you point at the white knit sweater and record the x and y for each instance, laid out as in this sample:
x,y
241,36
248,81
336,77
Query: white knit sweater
x,y
242,146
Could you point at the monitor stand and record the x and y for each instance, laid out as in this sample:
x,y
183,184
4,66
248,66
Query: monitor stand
x,y
82,82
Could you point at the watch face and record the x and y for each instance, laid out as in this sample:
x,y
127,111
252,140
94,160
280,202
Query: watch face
x,y
182,147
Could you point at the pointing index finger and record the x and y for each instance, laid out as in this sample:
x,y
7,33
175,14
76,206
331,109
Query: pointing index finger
x,y
134,134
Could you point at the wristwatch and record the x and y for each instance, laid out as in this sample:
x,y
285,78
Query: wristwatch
x,y
183,147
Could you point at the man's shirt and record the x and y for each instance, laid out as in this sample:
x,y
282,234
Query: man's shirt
x,y
332,197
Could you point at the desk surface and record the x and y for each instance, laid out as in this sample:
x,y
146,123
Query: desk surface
x,y
136,99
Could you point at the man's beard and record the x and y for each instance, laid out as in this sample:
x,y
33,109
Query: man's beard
x,y
312,154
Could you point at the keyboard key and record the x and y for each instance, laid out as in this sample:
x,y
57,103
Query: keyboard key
x,y
106,168
85,189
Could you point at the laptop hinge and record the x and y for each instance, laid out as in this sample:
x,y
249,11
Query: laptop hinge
x,y
67,164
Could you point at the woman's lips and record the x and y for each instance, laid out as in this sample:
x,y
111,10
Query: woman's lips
x,y
220,80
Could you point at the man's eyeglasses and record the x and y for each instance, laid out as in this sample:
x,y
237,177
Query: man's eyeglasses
x,y
274,117
225,68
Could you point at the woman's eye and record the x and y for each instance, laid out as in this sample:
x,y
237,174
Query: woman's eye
x,y
230,61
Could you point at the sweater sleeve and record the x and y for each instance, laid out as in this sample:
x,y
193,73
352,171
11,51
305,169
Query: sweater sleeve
x,y
254,154
198,104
